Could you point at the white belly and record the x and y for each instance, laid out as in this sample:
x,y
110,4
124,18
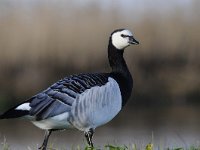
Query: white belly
x,y
56,122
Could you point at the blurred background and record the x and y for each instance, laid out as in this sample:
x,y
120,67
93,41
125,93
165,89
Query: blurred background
x,y
44,41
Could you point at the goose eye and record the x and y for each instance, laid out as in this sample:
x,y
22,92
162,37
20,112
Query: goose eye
x,y
122,35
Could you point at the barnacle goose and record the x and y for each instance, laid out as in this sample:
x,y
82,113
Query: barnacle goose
x,y
83,101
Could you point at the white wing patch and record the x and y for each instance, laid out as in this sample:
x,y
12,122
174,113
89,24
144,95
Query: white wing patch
x,y
97,106
24,106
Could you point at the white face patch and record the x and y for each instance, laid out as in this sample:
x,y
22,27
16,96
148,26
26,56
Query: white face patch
x,y
120,41
25,106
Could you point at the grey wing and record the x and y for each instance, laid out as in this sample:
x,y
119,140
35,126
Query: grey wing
x,y
59,97
50,103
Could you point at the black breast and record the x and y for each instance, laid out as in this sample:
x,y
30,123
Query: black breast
x,y
125,85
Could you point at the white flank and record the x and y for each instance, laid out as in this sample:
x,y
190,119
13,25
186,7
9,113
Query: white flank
x,y
25,106
97,106
121,42
56,122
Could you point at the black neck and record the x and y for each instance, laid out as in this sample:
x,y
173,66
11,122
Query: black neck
x,y
116,60
120,71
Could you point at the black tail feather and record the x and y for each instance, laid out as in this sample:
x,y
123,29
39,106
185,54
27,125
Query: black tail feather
x,y
1,116
13,113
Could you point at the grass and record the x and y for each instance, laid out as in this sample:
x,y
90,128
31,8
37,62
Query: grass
x,y
150,146
5,145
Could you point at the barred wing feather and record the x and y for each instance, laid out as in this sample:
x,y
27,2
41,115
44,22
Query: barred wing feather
x,y
59,97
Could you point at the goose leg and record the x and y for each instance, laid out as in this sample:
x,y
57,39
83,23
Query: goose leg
x,y
89,135
46,138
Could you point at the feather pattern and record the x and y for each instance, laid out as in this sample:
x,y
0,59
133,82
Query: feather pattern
x,y
59,97
96,106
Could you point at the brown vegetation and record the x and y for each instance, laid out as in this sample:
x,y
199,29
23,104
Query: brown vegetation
x,y
45,42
